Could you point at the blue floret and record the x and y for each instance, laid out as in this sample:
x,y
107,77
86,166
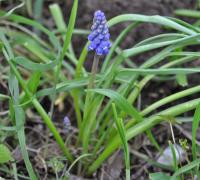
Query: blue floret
x,y
99,37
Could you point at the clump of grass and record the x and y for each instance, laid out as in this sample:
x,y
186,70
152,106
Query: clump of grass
x,y
102,98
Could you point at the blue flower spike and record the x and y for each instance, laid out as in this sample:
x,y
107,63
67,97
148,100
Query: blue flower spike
x,y
99,37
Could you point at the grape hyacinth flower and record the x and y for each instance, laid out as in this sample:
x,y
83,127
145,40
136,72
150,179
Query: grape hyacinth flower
x,y
100,43
67,124
99,37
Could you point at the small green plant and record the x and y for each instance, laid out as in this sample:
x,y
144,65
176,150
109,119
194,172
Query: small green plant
x,y
5,154
40,60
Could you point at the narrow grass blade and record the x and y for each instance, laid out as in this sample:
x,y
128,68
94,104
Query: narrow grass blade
x,y
195,125
188,13
175,163
159,176
7,128
70,29
60,23
19,120
32,85
150,19
37,9
122,133
66,45
147,47
141,127
82,58
64,86
185,168
26,63
4,97
120,101
161,71
12,10
35,24
116,44
160,38
170,98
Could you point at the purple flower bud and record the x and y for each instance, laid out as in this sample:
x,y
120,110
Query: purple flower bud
x,y
92,46
107,37
98,13
105,50
66,123
91,37
99,37
99,51
96,41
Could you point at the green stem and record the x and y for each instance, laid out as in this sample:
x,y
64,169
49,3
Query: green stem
x,y
87,121
141,127
94,71
42,113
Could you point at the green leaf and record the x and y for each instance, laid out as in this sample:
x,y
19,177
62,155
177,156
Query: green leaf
x,y
122,133
147,47
185,168
19,115
7,128
57,15
12,10
26,63
32,85
80,64
195,125
1,45
114,46
160,38
5,154
3,97
127,72
70,29
140,128
175,163
120,101
37,9
64,86
35,24
61,26
182,79
159,176
56,164
171,98
188,13
150,19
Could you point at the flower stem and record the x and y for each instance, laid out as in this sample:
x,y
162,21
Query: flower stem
x,y
87,123
93,71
